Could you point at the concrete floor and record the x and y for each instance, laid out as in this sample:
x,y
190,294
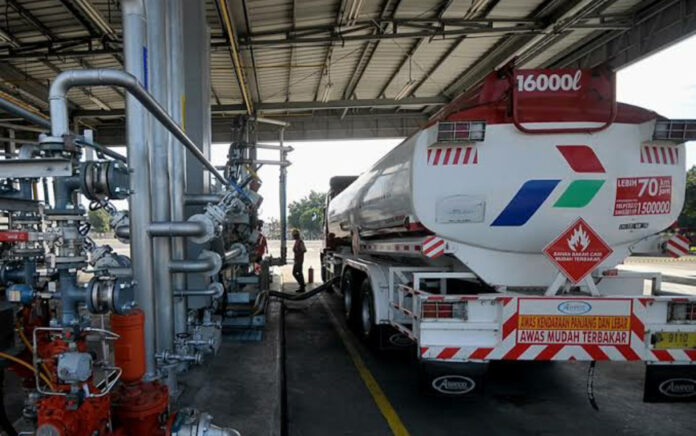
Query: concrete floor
x,y
327,396
241,386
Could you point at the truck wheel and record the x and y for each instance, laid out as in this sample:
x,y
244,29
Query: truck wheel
x,y
368,329
349,300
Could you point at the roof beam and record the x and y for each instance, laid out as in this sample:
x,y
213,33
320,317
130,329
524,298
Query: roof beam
x,y
231,33
251,52
24,85
655,26
433,31
89,12
550,12
292,52
297,106
479,8
441,12
389,9
75,12
326,68
31,19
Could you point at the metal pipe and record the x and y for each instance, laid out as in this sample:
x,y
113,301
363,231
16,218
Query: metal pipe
x,y
135,55
19,111
177,158
271,121
283,206
167,229
201,199
159,157
233,253
106,77
196,293
177,228
208,262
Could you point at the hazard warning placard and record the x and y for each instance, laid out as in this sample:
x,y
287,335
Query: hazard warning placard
x,y
577,251
643,196
574,321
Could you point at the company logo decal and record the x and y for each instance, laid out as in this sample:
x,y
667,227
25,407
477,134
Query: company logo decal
x,y
678,387
574,307
454,384
533,193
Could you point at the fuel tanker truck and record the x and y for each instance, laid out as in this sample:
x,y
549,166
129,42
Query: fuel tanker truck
x,y
494,233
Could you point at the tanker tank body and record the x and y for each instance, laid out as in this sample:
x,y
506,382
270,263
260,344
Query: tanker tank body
x,y
492,196
492,234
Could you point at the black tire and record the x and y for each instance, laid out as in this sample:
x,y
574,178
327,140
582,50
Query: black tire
x,y
323,269
368,329
350,300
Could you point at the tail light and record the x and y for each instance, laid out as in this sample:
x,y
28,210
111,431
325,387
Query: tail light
x,y
682,312
444,310
457,131
675,130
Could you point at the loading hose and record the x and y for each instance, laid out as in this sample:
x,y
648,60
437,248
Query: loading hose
x,y
305,295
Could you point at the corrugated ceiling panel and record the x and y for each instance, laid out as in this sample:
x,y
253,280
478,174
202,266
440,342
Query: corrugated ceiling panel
x,y
423,60
561,46
386,59
465,55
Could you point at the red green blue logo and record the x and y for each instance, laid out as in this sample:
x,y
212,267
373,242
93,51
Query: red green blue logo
x,y
533,193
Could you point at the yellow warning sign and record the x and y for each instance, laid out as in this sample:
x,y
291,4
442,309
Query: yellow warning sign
x,y
566,322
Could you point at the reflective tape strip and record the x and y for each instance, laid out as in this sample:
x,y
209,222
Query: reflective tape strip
x,y
433,247
677,246
508,348
448,156
659,154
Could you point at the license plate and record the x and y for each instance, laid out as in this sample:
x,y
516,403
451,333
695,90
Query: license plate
x,y
665,340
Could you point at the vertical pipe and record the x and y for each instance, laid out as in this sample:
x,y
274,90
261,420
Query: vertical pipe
x,y
283,201
161,250
135,55
177,162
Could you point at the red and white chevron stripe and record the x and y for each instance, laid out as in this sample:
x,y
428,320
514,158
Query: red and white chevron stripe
x,y
433,247
510,349
677,246
659,154
453,156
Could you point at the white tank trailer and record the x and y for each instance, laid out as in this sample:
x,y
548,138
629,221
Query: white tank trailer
x,y
496,229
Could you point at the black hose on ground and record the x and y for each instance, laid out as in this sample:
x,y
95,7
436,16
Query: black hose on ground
x,y
5,423
590,385
305,295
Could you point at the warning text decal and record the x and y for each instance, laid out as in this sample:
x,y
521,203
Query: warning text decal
x,y
643,196
555,321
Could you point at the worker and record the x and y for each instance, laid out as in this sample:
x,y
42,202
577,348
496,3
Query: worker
x,y
298,250
261,243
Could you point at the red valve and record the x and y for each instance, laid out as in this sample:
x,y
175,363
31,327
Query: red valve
x,y
14,236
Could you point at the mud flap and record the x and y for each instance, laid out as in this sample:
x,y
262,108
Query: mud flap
x,y
452,379
669,383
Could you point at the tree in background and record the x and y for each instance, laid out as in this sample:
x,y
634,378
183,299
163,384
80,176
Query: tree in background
x,y
99,220
688,215
307,214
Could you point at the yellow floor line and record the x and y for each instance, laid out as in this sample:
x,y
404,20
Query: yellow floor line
x,y
395,424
